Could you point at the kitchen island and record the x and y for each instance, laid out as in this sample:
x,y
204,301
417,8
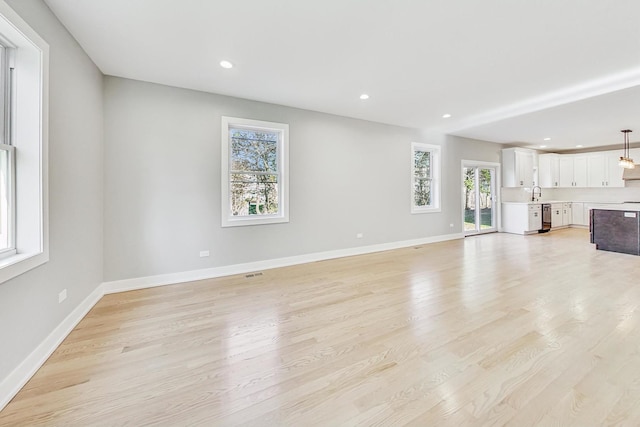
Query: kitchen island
x,y
616,228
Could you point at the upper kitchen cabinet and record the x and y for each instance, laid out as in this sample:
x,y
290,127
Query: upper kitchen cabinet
x,y
604,170
597,165
517,167
614,171
573,170
549,170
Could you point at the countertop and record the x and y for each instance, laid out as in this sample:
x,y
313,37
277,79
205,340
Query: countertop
x,y
635,207
612,206
540,202
522,203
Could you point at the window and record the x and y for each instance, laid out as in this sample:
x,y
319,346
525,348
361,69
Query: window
x,y
425,178
23,146
255,183
7,157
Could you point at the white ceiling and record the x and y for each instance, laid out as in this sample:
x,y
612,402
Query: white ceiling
x,y
506,70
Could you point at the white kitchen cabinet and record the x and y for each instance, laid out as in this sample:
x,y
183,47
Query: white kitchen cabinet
x,y
597,166
517,167
548,170
578,214
566,213
526,218
580,171
594,170
614,171
557,217
535,218
521,218
603,170
565,172
573,170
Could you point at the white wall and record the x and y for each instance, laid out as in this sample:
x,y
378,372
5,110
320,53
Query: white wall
x,y
150,184
162,187
29,308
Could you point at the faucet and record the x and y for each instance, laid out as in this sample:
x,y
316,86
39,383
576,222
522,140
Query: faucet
x,y
533,193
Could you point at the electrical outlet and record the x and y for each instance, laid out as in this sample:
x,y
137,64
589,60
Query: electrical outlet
x,y
62,296
359,236
204,254
451,225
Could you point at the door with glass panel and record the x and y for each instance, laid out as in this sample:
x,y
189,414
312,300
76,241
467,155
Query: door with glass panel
x,y
479,204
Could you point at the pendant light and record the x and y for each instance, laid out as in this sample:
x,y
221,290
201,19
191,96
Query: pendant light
x,y
626,161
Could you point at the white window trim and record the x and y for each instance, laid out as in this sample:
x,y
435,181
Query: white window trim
x,y
229,220
436,177
11,187
31,144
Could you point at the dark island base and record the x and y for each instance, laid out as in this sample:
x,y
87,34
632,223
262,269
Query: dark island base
x,y
616,231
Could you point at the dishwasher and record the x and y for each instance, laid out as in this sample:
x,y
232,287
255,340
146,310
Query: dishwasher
x,y
546,218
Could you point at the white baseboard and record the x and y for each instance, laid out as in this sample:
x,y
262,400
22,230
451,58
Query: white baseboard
x,y
210,273
12,384
579,226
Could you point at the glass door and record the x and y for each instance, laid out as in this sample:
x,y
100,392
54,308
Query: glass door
x,y
479,204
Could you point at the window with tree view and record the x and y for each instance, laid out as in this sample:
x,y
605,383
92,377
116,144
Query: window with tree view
x,y
425,172
255,177
254,172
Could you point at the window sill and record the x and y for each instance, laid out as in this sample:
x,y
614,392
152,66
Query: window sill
x,y
242,221
17,264
425,210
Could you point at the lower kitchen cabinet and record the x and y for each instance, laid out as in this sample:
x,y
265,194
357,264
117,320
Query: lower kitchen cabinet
x,y
566,213
561,214
526,218
535,218
557,215
577,214
521,218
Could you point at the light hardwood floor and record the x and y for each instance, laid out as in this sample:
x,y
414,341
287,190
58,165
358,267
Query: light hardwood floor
x,y
490,330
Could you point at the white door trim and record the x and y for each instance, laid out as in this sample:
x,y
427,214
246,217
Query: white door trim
x,y
498,184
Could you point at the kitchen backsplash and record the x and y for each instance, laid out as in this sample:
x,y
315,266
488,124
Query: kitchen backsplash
x,y
631,192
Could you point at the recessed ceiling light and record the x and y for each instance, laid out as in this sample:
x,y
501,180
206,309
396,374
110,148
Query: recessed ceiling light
x,y
547,139
543,146
226,64
579,146
446,116
364,96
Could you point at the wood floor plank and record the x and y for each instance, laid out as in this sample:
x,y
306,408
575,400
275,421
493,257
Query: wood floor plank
x,y
489,330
